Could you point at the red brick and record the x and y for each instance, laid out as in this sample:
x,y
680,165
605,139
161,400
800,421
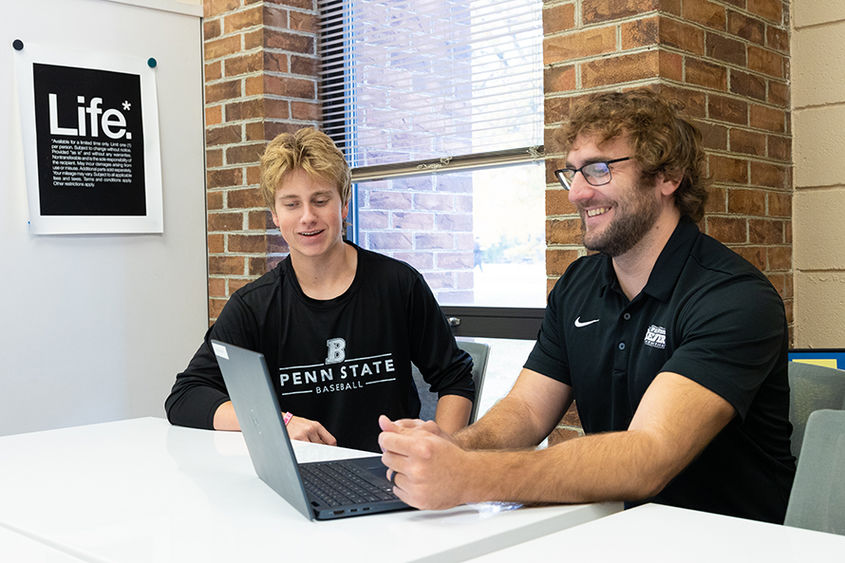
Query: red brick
x,y
214,200
694,102
213,115
247,244
765,61
213,158
306,66
779,147
563,231
714,137
245,198
750,29
771,119
253,39
225,177
777,39
748,142
290,87
308,23
260,220
762,231
226,265
727,169
243,19
244,153
559,78
772,10
704,12
225,222
306,111
213,71
275,62
671,66
681,35
779,258
727,229
778,93
780,205
221,47
754,254
621,69
558,18
222,91
557,202
748,85
723,108
253,175
244,64
215,307
747,202
769,175
213,8
273,16
580,44
246,109
640,33
706,74
558,259
217,286
716,200
226,135
289,42
211,29
725,49
595,11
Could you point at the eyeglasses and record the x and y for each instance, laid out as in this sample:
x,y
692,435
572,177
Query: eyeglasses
x,y
596,173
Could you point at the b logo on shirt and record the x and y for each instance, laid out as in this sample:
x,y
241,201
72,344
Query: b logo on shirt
x,y
337,350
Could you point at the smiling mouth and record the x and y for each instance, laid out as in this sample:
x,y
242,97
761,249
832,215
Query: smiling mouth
x,y
597,211
311,233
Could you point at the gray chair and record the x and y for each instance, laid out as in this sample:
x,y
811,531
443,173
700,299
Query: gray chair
x,y
428,400
817,501
812,388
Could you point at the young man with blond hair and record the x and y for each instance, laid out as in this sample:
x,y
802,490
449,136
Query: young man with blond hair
x,y
672,347
339,326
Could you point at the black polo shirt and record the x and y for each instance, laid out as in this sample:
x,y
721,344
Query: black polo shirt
x,y
707,314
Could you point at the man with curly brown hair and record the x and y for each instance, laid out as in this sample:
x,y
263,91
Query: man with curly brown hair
x,y
672,347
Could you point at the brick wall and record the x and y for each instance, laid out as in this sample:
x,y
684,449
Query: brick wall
x,y
260,80
728,61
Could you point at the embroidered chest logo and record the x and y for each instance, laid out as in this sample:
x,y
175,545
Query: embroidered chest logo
x,y
580,324
655,337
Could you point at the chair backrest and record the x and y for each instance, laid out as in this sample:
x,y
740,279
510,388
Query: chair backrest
x,y
817,501
812,387
428,400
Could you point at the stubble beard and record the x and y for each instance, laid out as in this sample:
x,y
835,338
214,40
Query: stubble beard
x,y
634,218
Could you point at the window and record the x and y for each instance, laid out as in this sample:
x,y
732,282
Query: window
x,y
438,107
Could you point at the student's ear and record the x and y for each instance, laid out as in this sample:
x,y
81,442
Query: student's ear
x,y
275,218
344,212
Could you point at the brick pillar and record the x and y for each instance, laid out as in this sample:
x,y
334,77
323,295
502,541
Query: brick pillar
x,y
728,61
260,80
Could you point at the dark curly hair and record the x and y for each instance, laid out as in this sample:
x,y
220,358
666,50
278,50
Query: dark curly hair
x,y
662,140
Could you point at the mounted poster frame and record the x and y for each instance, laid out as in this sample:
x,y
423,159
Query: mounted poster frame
x,y
89,122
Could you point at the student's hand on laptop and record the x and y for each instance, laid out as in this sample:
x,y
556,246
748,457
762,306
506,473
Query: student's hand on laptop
x,y
309,431
425,466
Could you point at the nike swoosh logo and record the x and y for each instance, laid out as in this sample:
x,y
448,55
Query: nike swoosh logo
x,y
580,324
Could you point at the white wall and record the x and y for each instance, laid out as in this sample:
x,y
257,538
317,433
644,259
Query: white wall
x,y
818,118
94,327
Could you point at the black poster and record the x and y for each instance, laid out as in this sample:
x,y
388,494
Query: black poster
x,y
89,141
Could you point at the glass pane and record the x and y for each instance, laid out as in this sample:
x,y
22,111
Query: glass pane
x,y
406,81
477,236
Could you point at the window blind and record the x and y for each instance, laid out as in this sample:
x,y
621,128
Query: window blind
x,y
418,86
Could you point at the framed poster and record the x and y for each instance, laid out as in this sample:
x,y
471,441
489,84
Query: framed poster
x,y
89,123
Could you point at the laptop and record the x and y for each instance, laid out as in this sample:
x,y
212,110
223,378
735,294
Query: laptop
x,y
322,490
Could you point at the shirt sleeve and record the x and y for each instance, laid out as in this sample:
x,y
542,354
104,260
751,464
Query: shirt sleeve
x,y
731,338
445,367
548,357
200,389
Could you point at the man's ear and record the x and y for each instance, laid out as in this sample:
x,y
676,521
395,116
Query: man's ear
x,y
275,218
668,182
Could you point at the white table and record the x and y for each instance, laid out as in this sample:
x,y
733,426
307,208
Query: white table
x,y
143,490
23,549
653,533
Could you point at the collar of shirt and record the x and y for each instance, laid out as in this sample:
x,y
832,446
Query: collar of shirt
x,y
664,275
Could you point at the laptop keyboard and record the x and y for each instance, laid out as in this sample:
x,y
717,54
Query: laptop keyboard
x,y
340,483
